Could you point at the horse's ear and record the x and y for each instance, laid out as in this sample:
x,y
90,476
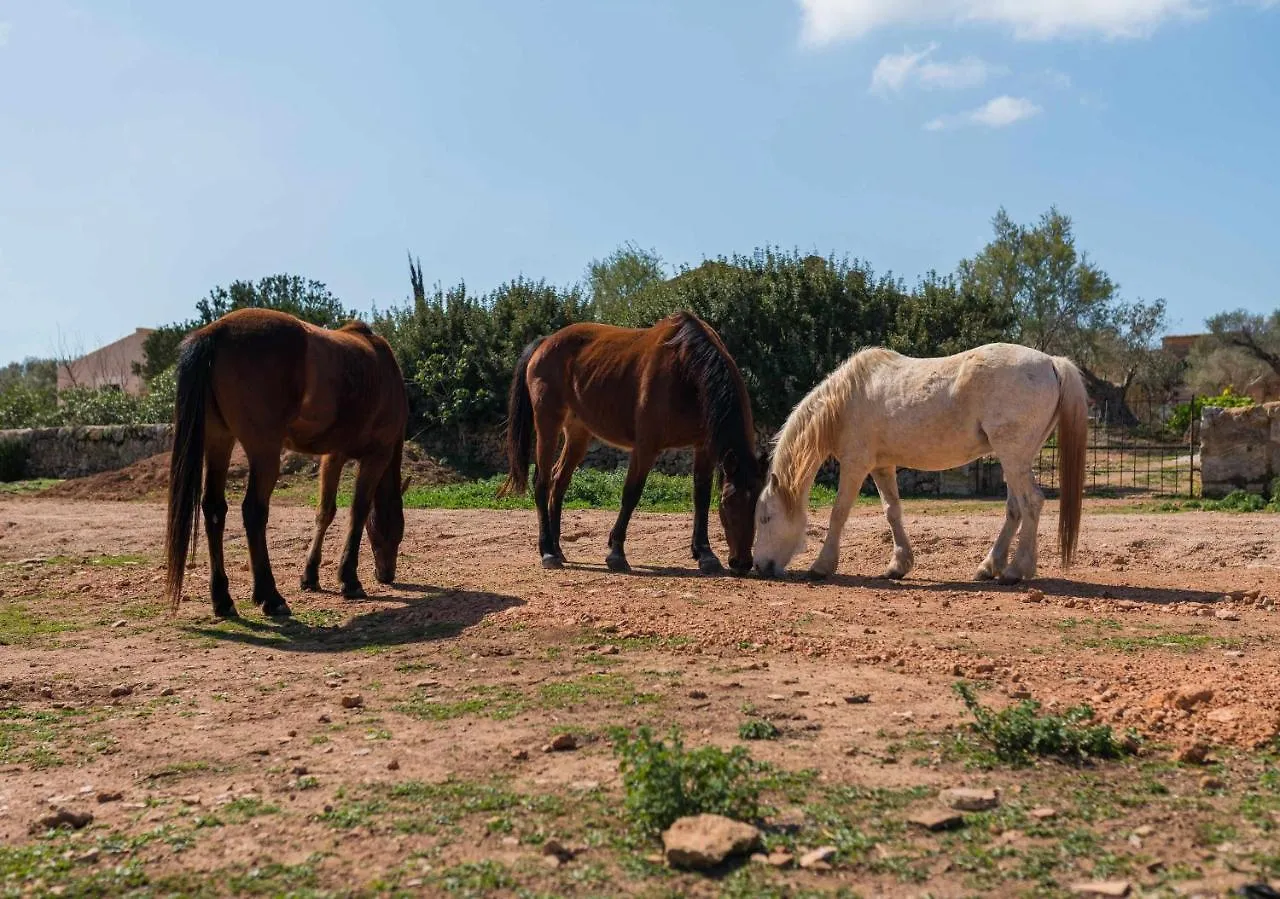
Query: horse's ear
x,y
773,481
404,484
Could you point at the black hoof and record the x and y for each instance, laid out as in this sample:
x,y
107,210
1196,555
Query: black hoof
x,y
309,584
551,562
227,610
815,575
709,564
353,591
618,562
277,610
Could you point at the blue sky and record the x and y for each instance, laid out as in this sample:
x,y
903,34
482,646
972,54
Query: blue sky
x,y
150,150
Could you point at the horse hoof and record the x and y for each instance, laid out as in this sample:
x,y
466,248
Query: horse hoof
x,y
984,575
309,585
618,564
814,575
353,591
279,610
894,574
227,611
710,565
1009,580
551,562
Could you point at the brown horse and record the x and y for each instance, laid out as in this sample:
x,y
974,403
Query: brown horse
x,y
271,381
650,389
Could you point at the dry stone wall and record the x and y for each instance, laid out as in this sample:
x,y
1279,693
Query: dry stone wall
x,y
77,452
1239,449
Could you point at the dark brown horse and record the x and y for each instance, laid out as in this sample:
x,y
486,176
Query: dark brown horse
x,y
270,381
672,385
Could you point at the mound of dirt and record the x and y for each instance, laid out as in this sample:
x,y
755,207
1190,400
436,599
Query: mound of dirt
x,y
149,478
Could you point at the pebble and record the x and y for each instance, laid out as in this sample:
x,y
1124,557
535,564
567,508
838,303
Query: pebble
x,y
1102,889
697,694
858,698
519,755
299,770
1210,783
937,819
1195,753
62,817
167,691
1044,813
561,743
1226,615
966,799
110,796
393,765
353,701
122,690
818,859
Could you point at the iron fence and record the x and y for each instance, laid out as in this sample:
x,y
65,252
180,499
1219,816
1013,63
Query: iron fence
x,y
1157,454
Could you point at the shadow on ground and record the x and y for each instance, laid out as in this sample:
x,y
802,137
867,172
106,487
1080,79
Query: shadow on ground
x,y
431,614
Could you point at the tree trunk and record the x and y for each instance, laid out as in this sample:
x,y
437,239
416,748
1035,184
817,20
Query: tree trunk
x,y
1110,400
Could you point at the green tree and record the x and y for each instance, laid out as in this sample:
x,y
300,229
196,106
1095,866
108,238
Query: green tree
x,y
1065,304
614,282
309,300
1256,336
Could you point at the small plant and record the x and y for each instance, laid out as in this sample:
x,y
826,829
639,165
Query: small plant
x,y
663,781
1020,732
758,729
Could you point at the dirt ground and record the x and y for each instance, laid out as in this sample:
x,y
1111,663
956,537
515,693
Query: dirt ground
x,y
394,746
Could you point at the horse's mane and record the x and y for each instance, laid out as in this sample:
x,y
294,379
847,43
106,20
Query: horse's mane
x,y
726,408
812,430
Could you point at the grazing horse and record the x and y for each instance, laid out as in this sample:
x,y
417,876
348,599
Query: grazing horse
x,y
880,410
271,381
643,389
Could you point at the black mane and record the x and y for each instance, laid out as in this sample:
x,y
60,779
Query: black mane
x,y
725,404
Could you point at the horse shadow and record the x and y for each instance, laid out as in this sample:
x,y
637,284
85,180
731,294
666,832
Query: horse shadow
x,y
433,613
1061,587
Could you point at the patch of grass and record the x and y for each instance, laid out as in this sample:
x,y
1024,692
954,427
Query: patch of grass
x,y
613,688
20,488
31,737
178,770
474,879
18,626
758,729
663,781
1176,642
1020,732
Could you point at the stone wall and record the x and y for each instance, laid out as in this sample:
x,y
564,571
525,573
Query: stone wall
x,y
76,452
1239,449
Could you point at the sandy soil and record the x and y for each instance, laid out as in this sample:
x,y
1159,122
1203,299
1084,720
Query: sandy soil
x,y
236,763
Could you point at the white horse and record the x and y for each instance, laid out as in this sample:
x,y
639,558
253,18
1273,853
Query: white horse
x,y
881,410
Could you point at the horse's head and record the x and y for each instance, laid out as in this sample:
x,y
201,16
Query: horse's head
x,y
739,491
780,527
385,525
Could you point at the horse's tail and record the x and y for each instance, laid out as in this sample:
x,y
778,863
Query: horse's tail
x,y
186,461
519,426
1073,440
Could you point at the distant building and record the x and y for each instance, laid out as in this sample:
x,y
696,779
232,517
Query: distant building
x,y
1180,345
110,366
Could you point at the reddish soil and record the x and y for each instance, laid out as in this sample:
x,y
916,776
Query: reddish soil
x,y
1164,626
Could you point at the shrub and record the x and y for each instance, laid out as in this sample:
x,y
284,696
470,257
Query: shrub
x,y
1019,732
758,729
1185,413
13,460
663,781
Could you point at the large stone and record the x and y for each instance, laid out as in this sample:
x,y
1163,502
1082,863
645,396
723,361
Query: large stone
x,y
1235,449
967,799
705,841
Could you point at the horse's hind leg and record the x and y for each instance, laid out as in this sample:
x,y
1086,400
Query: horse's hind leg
x,y
1022,487
704,469
576,441
548,419
851,477
637,472
368,475
217,457
264,470
994,564
330,474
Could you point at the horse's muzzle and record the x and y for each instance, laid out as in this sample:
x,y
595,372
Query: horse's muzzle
x,y
768,569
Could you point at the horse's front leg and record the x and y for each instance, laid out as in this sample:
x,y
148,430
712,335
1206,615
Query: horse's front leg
x,y
264,470
903,559
704,467
330,474
851,478
994,564
637,473
368,474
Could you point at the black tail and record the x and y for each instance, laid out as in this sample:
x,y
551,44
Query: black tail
x,y
186,462
519,426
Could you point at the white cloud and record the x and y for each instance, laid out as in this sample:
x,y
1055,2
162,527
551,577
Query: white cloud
x,y
895,70
1060,80
998,113
828,21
